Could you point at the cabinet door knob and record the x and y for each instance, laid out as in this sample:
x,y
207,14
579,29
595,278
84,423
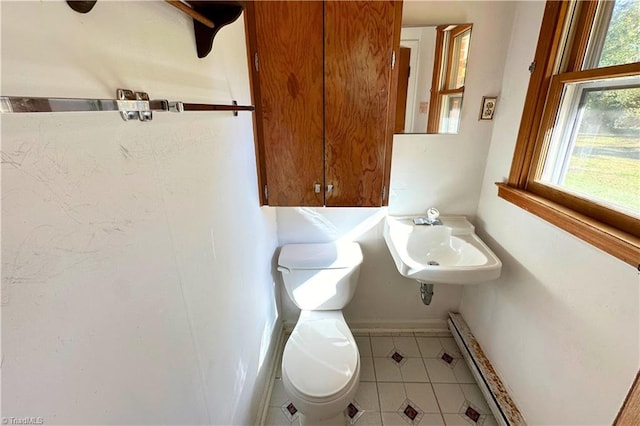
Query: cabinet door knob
x,y
317,188
329,188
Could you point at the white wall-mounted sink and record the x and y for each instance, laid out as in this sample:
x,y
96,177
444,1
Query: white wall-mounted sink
x,y
450,253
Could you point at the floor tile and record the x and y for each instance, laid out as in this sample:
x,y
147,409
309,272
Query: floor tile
x,y
392,395
439,371
490,421
462,372
278,394
421,379
367,396
367,372
275,417
455,420
410,412
426,333
290,411
431,419
392,419
387,370
370,418
428,419
381,345
364,345
450,345
422,394
430,347
413,371
352,413
450,397
397,357
380,333
390,333
473,394
471,412
407,345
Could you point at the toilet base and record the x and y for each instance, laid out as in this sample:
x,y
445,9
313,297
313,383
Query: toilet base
x,y
319,409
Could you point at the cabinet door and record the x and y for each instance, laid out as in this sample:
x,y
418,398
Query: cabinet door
x,y
359,99
287,80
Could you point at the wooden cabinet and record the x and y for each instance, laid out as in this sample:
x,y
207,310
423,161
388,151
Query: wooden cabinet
x,y
323,83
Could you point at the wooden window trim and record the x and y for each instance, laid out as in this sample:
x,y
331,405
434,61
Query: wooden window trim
x,y
452,91
440,77
593,209
629,413
546,52
433,121
613,71
604,228
453,34
586,15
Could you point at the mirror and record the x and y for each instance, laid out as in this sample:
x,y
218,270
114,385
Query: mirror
x,y
432,68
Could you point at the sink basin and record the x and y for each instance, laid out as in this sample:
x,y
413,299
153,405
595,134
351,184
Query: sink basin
x,y
450,253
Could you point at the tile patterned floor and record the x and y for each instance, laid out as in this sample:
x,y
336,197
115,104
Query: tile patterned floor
x,y
405,379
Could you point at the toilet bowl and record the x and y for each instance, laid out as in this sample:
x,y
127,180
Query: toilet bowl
x,y
321,365
321,362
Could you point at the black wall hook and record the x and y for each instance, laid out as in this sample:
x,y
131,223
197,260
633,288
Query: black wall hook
x,y
81,6
220,13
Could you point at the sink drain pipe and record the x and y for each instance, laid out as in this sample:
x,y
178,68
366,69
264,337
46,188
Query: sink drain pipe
x,y
426,292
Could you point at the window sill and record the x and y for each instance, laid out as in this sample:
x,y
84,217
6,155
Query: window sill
x,y
622,245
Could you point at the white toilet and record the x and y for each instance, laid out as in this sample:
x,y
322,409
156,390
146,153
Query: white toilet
x,y
321,363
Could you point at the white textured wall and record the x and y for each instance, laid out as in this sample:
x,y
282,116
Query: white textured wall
x,y
425,76
137,283
427,170
423,41
562,324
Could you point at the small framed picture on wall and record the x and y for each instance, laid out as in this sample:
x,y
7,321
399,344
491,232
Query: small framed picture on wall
x,y
488,107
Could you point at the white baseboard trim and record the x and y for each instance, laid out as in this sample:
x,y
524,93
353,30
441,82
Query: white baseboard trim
x,y
418,326
273,357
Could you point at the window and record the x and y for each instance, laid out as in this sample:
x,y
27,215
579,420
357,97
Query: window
x,y
577,158
449,70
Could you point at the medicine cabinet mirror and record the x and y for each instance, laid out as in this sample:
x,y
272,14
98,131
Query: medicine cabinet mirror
x,y
438,37
432,68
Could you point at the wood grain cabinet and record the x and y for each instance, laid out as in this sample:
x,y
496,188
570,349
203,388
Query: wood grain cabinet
x,y
323,82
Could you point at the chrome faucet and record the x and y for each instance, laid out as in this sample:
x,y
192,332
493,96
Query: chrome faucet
x,y
432,218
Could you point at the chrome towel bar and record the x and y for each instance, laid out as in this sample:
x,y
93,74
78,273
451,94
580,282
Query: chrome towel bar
x,y
131,105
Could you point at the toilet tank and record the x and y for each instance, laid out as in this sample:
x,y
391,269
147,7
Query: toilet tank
x,y
320,276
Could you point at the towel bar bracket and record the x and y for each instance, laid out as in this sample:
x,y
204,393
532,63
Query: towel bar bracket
x,y
137,108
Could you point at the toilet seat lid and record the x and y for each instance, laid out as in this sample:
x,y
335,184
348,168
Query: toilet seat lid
x,y
321,357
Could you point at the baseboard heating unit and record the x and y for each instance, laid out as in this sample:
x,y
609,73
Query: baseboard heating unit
x,y
502,406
